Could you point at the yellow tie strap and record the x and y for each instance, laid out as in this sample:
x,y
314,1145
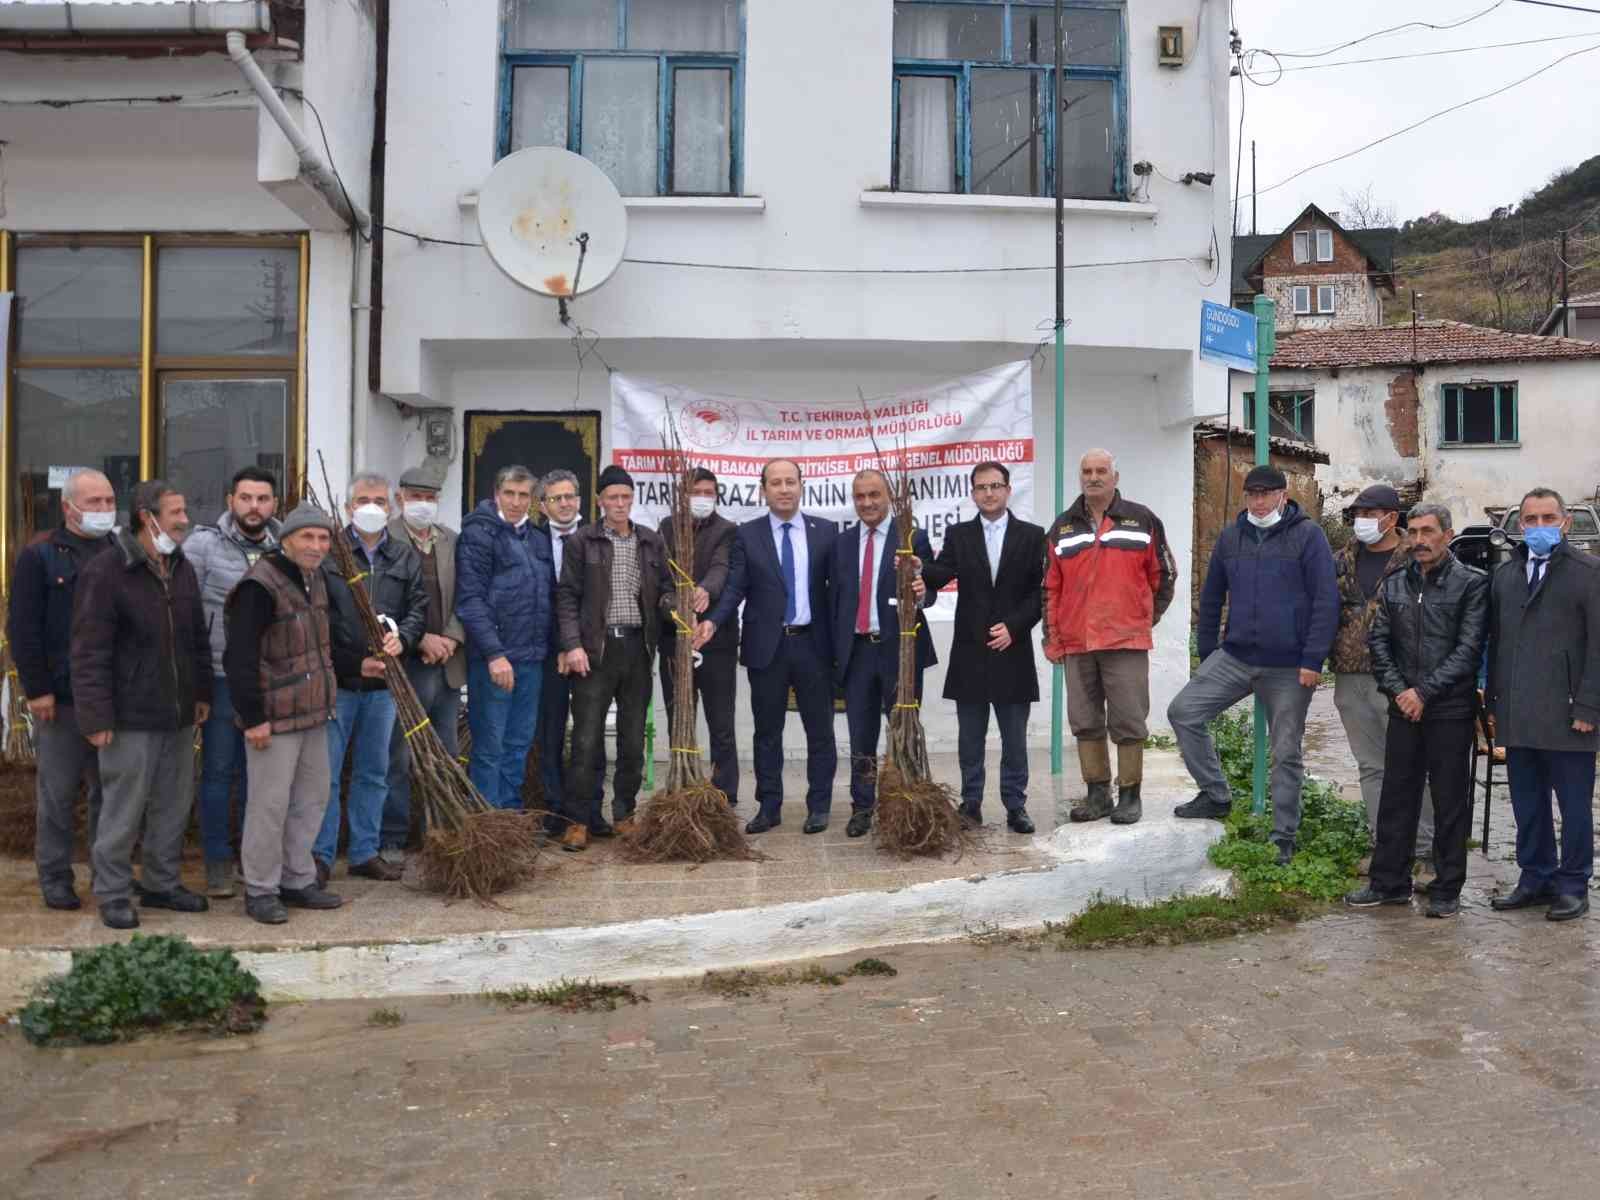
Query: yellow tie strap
x,y
684,579
913,704
684,749
426,721
357,577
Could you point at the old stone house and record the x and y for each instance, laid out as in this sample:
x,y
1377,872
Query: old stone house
x,y
1321,275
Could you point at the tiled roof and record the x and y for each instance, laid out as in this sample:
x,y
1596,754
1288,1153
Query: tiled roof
x,y
1247,438
1435,342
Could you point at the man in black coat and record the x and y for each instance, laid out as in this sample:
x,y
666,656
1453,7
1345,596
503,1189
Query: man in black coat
x,y
866,631
1544,699
717,677
997,562
1426,642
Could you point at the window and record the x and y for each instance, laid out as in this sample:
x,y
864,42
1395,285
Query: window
x,y
1290,415
1583,523
649,90
1479,414
215,386
1302,246
1324,245
1324,298
973,98
1302,300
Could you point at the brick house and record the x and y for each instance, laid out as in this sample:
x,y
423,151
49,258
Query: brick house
x,y
1321,275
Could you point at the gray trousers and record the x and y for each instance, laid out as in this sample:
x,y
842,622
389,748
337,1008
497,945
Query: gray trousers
x,y
66,761
1364,711
148,781
1220,683
290,783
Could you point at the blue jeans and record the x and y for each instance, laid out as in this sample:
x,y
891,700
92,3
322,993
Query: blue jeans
x,y
972,731
221,764
440,702
364,719
502,725
1533,775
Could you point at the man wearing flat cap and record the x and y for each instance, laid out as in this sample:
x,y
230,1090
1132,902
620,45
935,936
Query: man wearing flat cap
x,y
1273,569
614,585
1378,550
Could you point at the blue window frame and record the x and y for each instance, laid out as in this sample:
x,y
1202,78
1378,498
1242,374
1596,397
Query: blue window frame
x,y
1290,415
1478,414
974,98
652,91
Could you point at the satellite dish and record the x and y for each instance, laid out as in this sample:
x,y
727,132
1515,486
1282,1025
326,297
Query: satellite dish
x,y
552,221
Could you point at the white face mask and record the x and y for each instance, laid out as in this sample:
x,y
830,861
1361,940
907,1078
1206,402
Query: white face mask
x,y
420,513
702,507
164,544
518,523
97,524
1369,530
563,527
1266,522
369,518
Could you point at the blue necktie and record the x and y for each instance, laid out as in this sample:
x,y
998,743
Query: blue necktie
x,y
787,562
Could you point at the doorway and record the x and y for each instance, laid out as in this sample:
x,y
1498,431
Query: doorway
x,y
541,441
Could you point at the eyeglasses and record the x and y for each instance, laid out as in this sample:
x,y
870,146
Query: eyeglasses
x,y
561,499
979,489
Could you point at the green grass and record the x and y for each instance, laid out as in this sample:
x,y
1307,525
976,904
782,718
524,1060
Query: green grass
x,y
569,995
1172,922
385,1018
1161,741
749,981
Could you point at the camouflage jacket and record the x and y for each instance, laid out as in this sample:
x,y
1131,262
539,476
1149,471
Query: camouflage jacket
x,y
1356,612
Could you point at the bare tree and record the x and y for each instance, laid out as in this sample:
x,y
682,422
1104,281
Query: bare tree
x,y
1361,210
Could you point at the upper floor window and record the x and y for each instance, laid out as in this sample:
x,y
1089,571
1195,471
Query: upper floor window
x,y
1302,245
650,91
974,99
1479,414
1324,245
1290,415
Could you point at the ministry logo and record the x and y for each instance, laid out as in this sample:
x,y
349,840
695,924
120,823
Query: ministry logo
x,y
708,424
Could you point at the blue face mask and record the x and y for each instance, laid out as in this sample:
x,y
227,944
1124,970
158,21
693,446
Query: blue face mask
x,y
1542,539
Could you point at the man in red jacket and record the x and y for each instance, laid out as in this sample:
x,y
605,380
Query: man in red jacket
x,y
1108,580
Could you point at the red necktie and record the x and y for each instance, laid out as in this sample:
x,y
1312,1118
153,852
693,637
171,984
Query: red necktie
x,y
868,587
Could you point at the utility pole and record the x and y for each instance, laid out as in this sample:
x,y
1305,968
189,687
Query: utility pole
x,y
1565,328
1252,187
1057,673
1266,343
1415,296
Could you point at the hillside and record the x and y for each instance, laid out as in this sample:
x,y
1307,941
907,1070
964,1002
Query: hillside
x,y
1503,271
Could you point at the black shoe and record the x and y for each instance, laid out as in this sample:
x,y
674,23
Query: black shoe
x,y
1018,821
1203,806
1285,853
376,868
60,895
119,914
860,823
1129,807
600,829
269,910
1096,804
1567,908
1521,897
971,818
1443,906
815,823
1370,897
308,897
760,823
324,873
179,899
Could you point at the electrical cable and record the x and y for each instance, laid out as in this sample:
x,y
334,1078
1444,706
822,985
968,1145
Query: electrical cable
x,y
1568,7
328,150
1357,62
167,99
1437,27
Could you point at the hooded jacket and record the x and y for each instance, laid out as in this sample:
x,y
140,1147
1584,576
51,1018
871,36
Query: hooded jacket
x,y
505,587
220,555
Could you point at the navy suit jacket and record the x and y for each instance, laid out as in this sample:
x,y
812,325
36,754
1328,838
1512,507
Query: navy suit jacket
x,y
846,595
755,578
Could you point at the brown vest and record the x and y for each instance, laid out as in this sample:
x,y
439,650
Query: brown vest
x,y
298,689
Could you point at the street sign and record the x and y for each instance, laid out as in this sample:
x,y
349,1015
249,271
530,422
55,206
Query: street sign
x,y
1227,336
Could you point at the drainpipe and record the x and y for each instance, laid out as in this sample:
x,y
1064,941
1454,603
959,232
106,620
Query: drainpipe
x,y
318,172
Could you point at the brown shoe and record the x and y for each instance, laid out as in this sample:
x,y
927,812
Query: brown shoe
x,y
376,868
575,838
627,826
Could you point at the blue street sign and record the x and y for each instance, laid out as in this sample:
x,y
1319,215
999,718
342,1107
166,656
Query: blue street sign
x,y
1227,336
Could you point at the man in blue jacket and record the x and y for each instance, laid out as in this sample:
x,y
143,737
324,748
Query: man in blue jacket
x,y
1274,570
505,586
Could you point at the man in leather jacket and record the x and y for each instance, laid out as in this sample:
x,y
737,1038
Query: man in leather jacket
x,y
1426,641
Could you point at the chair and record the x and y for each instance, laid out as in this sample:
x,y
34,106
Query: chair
x,y
1493,757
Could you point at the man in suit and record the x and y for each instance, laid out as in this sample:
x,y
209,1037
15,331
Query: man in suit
x,y
437,666
1544,699
866,631
778,569
997,562
717,677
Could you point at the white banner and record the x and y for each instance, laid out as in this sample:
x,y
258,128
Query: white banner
x,y
945,430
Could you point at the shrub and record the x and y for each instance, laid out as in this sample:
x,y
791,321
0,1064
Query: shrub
x,y
146,983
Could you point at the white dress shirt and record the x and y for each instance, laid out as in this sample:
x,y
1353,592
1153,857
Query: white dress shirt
x,y
802,562
994,539
881,545
1540,563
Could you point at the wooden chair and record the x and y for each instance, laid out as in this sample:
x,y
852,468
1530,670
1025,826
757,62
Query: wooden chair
x,y
1493,758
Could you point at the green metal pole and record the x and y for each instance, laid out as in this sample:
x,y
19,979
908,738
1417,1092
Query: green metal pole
x,y
1058,674
1266,338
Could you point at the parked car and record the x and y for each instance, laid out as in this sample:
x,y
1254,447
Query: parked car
x,y
1490,544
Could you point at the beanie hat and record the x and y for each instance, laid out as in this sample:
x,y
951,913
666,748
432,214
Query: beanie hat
x,y
614,476
305,516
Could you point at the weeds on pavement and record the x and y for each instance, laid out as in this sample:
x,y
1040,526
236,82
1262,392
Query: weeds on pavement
x,y
750,981
569,995
385,1018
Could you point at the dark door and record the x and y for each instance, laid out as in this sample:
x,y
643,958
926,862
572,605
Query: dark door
x,y
540,441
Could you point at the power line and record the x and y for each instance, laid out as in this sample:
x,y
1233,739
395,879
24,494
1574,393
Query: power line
x,y
1356,62
1568,7
1393,29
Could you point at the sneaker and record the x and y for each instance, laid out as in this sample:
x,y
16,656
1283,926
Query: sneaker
x,y
1203,806
1370,897
1443,906
219,880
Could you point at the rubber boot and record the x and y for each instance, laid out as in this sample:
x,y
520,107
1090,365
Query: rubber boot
x,y
1094,760
1130,775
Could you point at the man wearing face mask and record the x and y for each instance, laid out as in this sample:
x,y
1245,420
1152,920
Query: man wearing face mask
x,y
391,571
1274,571
716,678
141,677
220,555
1377,551
39,626
437,666
1544,698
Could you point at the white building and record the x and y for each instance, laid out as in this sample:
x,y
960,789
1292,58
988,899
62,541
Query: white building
x,y
858,191
1462,415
